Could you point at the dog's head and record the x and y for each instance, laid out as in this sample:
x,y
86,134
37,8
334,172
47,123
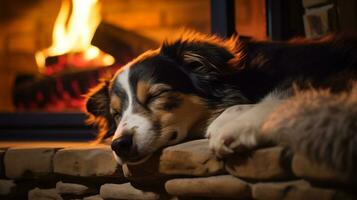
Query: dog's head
x,y
161,96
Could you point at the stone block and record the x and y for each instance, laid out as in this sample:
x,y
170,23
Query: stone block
x,y
93,197
21,162
44,194
71,188
125,191
223,186
305,168
276,190
85,162
295,190
6,186
262,164
190,158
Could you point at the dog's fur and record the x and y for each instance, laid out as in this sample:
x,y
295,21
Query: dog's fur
x,y
240,94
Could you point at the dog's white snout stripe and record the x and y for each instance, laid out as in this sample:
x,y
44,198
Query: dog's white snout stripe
x,y
130,120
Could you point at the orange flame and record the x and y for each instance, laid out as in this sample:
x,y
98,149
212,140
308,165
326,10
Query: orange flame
x,y
73,32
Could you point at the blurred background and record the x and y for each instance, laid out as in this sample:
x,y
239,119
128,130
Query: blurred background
x,y
52,52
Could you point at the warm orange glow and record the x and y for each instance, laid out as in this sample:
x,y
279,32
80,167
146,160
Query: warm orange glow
x,y
73,31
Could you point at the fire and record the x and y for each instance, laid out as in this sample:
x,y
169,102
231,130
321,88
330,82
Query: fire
x,y
73,32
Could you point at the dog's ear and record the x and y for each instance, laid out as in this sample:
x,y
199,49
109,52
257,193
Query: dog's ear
x,y
98,109
209,56
97,102
207,61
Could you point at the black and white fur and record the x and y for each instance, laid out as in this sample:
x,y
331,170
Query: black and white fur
x,y
236,87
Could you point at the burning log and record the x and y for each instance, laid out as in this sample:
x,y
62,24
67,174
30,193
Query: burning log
x,y
120,43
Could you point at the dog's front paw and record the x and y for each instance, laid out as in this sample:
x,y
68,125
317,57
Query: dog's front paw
x,y
232,137
240,127
228,115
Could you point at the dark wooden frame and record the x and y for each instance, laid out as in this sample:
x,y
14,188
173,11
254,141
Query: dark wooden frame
x,y
223,17
45,126
275,23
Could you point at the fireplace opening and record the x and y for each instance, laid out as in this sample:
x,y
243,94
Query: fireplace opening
x,y
52,52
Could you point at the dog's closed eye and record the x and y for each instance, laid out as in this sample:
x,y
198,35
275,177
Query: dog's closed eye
x,y
157,91
156,95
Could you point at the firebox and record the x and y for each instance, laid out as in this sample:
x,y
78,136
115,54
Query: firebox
x,y
52,52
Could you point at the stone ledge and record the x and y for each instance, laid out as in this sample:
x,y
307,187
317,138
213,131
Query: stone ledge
x,y
305,168
71,188
93,197
190,158
6,187
262,164
85,162
32,161
187,171
276,190
295,190
44,194
125,191
224,186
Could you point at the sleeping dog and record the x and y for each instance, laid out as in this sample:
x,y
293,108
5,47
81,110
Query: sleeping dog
x,y
226,90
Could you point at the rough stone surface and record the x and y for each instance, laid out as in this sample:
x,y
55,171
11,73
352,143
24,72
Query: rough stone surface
x,y
6,186
276,190
303,167
125,191
187,171
295,190
44,194
94,197
34,161
224,186
261,164
71,188
190,158
92,161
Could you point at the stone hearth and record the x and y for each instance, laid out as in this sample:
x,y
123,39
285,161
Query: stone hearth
x,y
184,171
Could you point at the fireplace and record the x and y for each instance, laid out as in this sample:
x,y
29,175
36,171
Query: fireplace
x,y
44,78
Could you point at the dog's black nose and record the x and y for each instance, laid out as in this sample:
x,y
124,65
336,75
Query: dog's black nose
x,y
122,146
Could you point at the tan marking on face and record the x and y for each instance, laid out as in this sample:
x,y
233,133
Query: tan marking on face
x,y
115,103
190,113
145,89
142,91
158,87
